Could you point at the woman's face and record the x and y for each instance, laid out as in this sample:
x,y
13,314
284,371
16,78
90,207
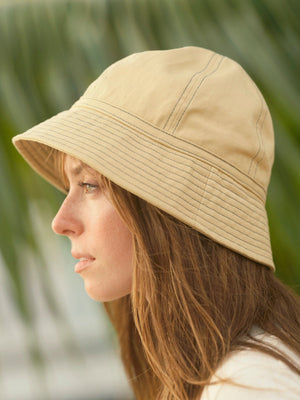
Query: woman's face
x,y
100,239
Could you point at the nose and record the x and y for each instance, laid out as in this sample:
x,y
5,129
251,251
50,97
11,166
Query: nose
x,y
66,222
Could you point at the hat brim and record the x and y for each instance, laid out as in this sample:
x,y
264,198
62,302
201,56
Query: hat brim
x,y
187,182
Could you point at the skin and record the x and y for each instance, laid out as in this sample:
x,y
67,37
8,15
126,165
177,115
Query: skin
x,y
97,232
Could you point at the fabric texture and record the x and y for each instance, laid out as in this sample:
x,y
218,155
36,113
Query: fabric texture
x,y
185,129
265,377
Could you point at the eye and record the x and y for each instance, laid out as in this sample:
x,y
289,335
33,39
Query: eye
x,y
88,187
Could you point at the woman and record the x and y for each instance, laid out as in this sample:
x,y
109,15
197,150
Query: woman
x,y
166,160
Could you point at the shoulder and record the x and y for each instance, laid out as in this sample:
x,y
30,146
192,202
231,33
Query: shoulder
x,y
255,376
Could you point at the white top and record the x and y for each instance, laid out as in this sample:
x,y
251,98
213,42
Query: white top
x,y
266,378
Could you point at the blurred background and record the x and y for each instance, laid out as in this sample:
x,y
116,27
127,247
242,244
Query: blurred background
x,y
55,342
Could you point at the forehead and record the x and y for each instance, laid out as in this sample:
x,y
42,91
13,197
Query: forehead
x,y
74,166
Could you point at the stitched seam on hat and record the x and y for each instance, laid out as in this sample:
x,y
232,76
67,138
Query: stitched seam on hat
x,y
194,94
190,91
179,154
204,192
191,81
258,132
118,118
90,152
262,157
264,149
176,181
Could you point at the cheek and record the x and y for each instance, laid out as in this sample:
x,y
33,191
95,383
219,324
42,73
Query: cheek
x,y
113,237
112,277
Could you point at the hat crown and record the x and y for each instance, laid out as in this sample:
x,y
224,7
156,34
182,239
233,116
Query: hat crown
x,y
198,96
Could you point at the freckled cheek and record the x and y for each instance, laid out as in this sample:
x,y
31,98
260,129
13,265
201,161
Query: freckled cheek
x,y
114,239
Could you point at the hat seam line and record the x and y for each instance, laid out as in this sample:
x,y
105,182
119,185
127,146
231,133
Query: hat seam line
x,y
124,122
203,194
258,134
264,149
196,91
185,89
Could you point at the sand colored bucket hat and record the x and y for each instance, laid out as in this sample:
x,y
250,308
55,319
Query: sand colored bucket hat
x,y
185,129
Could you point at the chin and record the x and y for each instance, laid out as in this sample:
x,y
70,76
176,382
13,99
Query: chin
x,y
103,296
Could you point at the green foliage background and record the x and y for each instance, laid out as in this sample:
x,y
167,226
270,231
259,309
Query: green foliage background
x,y
52,50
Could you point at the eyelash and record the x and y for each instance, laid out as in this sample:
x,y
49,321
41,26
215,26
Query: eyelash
x,y
88,186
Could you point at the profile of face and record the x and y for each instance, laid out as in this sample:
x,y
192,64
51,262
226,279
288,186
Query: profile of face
x,y
100,239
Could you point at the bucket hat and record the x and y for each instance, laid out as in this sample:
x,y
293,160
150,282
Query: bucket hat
x,y
185,129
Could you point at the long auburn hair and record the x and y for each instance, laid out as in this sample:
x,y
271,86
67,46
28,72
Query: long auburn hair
x,y
192,302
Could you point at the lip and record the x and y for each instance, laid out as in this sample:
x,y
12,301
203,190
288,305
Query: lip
x,y
81,265
84,262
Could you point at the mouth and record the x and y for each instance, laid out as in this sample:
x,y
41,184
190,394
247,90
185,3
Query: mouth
x,y
84,262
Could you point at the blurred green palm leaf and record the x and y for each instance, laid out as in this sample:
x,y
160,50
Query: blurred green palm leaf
x,y
52,50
